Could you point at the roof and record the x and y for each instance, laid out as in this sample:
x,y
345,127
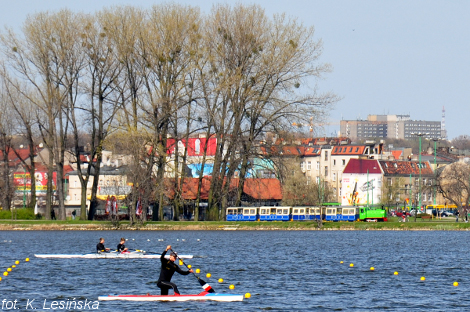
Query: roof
x,y
288,150
255,188
13,158
405,168
370,166
105,170
348,150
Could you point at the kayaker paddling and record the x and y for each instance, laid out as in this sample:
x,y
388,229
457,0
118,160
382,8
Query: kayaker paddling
x,y
121,247
100,246
169,267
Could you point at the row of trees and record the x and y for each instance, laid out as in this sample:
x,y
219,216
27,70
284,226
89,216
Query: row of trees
x,y
131,78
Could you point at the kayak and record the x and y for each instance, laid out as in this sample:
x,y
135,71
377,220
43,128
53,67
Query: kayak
x,y
112,255
202,296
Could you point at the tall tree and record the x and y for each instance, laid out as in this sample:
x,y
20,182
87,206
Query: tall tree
x,y
453,183
258,65
7,189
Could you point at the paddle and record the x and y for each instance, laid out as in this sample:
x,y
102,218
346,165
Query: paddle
x,y
204,285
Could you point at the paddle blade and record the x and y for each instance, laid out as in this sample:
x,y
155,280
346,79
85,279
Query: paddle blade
x,y
206,286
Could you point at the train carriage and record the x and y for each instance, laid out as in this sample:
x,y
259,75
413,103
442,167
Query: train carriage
x,y
331,213
305,213
328,213
242,214
274,213
349,214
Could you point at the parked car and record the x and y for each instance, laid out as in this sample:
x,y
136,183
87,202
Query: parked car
x,y
413,211
447,214
400,214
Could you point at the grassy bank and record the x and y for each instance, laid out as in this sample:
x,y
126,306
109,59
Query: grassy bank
x,y
392,224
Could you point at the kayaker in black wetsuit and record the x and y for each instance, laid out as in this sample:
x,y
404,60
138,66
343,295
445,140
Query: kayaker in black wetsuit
x,y
121,247
100,246
168,269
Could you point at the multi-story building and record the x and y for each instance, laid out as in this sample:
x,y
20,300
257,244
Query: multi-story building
x,y
388,182
389,126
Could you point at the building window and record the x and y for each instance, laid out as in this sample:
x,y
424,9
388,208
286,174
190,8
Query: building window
x,y
309,165
344,162
334,176
389,181
302,166
326,155
197,146
318,180
334,162
326,171
309,178
318,165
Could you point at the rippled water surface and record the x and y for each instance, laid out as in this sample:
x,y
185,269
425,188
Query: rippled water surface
x,y
283,270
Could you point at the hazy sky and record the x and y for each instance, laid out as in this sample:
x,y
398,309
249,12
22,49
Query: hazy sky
x,y
389,57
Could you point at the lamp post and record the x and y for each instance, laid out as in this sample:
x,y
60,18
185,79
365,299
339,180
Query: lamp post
x,y
435,171
24,187
420,135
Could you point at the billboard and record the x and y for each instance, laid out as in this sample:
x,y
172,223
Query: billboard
x,y
357,188
22,182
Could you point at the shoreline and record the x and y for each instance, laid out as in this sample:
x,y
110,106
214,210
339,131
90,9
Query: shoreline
x,y
437,225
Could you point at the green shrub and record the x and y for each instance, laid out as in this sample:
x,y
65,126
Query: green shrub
x,y
423,215
5,214
21,214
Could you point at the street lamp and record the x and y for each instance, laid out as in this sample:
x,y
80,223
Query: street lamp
x,y
435,171
419,134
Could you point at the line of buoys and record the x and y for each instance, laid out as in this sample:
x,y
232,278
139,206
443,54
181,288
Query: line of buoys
x,y
10,269
422,278
220,280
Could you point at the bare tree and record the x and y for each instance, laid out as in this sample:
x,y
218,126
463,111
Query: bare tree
x,y
257,66
7,129
166,49
461,142
454,185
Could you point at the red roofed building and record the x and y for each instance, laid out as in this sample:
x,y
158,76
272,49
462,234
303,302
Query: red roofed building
x,y
387,182
361,182
255,190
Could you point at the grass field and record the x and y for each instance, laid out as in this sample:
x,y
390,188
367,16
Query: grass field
x,y
393,224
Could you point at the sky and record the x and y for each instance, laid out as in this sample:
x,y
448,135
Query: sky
x,y
400,57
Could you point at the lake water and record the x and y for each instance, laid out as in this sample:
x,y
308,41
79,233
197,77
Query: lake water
x,y
283,270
